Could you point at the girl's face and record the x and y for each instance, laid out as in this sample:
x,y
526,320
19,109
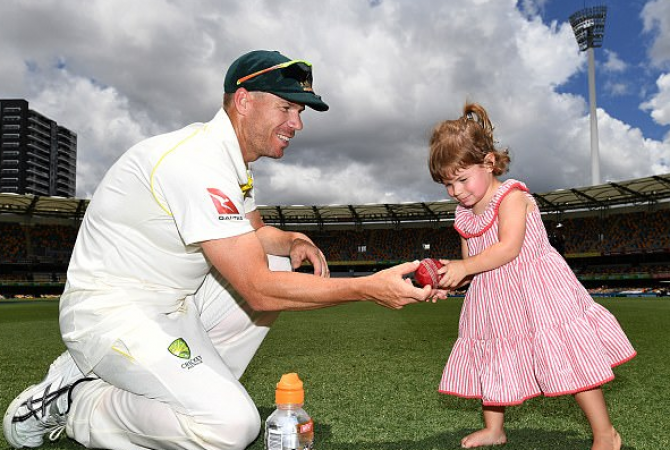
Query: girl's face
x,y
471,186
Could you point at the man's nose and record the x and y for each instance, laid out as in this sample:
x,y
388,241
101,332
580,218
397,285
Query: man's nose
x,y
295,121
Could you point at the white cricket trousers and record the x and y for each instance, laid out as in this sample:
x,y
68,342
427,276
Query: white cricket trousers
x,y
174,383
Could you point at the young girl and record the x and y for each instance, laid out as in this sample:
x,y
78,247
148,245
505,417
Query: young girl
x,y
527,327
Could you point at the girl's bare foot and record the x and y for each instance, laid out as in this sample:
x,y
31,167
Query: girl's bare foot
x,y
608,441
483,437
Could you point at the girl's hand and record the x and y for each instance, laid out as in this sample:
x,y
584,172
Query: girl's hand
x,y
454,273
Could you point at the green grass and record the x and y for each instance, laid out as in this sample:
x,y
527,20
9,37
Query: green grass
x,y
371,377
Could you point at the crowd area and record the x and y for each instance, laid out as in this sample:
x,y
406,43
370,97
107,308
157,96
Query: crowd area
x,y
614,235
633,233
37,243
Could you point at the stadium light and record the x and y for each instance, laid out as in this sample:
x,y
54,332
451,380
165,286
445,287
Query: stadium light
x,y
588,25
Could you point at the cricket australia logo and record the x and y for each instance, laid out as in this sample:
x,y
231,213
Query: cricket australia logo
x,y
224,205
180,349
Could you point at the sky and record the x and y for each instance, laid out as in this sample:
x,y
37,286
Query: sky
x,y
119,71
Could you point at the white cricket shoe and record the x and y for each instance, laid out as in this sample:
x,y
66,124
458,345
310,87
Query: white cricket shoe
x,y
42,408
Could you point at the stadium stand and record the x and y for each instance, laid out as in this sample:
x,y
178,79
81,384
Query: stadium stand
x,y
13,243
615,236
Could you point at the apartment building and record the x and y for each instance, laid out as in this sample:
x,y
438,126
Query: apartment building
x,y
37,156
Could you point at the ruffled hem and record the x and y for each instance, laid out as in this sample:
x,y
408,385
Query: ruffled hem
x,y
569,358
489,403
469,225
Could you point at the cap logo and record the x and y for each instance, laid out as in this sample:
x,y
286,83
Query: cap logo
x,y
306,85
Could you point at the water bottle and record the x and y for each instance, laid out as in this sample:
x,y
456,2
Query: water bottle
x,y
289,427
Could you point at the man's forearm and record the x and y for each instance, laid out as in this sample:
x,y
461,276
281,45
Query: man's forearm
x,y
276,241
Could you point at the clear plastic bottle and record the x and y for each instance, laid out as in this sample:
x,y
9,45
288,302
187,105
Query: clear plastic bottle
x,y
289,427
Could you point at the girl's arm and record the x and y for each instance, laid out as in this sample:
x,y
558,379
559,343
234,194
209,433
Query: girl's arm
x,y
511,231
466,255
464,248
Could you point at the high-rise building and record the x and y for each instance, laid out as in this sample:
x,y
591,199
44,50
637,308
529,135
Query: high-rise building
x,y
37,156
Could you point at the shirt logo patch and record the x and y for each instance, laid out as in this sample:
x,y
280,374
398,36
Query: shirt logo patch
x,y
180,349
222,203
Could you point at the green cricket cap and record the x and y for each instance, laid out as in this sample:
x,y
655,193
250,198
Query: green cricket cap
x,y
270,71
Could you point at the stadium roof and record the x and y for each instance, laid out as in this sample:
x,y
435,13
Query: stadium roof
x,y
42,206
641,191
648,190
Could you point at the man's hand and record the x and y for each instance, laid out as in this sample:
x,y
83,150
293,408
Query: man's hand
x,y
392,290
304,250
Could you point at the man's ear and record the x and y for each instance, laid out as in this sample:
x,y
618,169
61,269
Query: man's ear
x,y
242,98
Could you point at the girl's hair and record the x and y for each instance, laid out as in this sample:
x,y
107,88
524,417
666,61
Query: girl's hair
x,y
458,144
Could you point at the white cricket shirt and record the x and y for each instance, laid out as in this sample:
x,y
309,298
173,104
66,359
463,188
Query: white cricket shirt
x,y
137,251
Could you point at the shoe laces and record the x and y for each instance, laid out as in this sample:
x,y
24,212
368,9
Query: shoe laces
x,y
39,407
40,412
47,411
57,424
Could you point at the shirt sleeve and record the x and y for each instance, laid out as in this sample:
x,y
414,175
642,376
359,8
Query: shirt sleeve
x,y
201,191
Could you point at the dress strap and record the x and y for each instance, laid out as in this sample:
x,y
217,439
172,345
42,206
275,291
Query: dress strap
x,y
468,224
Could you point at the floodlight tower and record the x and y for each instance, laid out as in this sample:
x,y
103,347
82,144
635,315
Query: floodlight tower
x,y
589,27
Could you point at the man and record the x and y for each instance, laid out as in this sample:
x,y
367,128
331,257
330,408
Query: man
x,y
170,289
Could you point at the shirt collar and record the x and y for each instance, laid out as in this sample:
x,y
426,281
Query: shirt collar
x,y
221,129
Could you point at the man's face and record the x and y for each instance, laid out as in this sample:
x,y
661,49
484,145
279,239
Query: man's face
x,y
269,125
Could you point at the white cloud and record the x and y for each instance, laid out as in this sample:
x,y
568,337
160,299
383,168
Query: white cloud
x,y
116,72
532,8
616,89
548,52
613,63
625,153
99,115
659,105
656,18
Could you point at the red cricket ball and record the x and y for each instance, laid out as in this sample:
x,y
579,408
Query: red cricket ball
x,y
426,274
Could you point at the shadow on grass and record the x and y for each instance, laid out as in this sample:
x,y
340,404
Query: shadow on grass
x,y
526,439
519,439
523,438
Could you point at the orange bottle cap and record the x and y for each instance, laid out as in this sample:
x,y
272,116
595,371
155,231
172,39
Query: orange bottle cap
x,y
289,390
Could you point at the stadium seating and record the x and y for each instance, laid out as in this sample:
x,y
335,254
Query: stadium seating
x,y
41,251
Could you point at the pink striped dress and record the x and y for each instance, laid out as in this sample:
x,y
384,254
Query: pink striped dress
x,y
528,327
